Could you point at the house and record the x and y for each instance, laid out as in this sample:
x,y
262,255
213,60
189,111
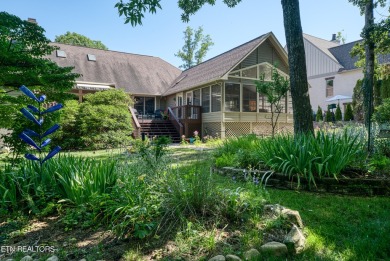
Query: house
x,y
331,71
217,97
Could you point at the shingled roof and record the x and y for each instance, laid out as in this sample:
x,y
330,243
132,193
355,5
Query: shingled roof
x,y
343,56
214,68
136,74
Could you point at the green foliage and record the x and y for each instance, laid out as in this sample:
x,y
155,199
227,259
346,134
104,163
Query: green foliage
x,y
382,113
310,157
348,113
328,116
79,40
319,115
357,101
338,115
382,146
385,88
79,179
23,50
69,135
191,54
274,90
102,121
379,164
239,151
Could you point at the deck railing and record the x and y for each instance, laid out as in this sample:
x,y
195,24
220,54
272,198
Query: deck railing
x,y
136,125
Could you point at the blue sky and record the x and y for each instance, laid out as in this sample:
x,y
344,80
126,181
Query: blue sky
x,y
162,34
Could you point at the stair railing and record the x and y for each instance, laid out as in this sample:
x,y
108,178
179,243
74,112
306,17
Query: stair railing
x,y
136,125
176,122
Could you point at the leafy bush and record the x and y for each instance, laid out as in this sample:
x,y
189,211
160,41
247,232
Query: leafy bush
x,y
382,113
239,151
329,116
348,113
319,116
102,121
382,146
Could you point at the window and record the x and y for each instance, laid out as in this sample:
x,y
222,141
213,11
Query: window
x,y
196,98
60,53
250,73
91,57
144,105
206,99
232,97
249,97
264,105
216,98
329,87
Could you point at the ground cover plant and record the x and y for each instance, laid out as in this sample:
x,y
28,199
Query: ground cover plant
x,y
199,216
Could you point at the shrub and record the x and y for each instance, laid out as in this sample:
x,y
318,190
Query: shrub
x,y
329,116
338,115
348,113
319,116
382,113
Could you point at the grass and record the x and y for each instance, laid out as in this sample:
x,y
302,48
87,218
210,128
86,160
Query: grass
x,y
341,227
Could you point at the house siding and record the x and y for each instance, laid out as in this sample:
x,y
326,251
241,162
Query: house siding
x,y
317,62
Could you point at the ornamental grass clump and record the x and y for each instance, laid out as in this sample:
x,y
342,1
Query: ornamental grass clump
x,y
309,156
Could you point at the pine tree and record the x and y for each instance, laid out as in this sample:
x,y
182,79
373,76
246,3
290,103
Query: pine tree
x,y
338,115
348,113
329,116
319,116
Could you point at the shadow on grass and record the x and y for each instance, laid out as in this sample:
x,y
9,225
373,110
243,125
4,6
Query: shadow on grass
x,y
341,227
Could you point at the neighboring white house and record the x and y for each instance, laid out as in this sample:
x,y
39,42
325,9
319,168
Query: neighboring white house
x,y
331,71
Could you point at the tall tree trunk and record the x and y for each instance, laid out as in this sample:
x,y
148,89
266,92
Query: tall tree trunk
x,y
369,70
303,118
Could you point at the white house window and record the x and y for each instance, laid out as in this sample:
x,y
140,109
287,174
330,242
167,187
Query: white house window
x,y
232,97
250,73
249,98
329,87
216,98
206,99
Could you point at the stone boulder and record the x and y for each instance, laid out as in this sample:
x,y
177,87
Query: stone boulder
x,y
218,258
295,240
252,254
232,258
275,249
293,216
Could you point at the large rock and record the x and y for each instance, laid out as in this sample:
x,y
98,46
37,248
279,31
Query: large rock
x,y
252,254
232,258
218,258
274,249
295,240
293,216
274,209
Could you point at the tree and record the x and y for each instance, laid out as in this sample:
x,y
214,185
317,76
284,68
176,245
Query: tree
x,y
319,115
338,115
133,11
274,91
368,34
79,40
23,47
348,116
190,53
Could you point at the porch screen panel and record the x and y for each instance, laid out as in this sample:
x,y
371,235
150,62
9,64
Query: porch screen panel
x,y
232,97
216,98
149,105
196,98
206,99
249,98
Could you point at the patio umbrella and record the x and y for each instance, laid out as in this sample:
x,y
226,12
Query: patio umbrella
x,y
338,98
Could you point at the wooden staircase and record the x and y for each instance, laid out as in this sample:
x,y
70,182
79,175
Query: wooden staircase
x,y
158,128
